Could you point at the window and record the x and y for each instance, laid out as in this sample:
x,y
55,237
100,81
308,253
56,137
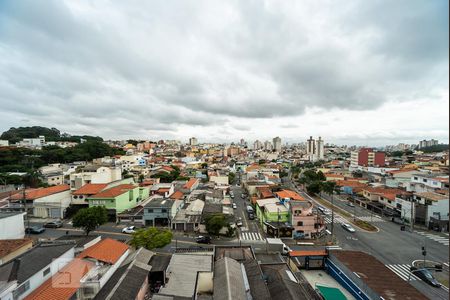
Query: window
x,y
81,197
300,223
21,289
75,197
164,210
415,178
150,210
46,272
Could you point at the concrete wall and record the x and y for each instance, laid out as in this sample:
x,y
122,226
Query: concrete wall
x,y
12,227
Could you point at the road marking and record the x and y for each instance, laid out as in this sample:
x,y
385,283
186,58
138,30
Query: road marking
x,y
402,271
444,287
251,236
437,238
334,247
371,219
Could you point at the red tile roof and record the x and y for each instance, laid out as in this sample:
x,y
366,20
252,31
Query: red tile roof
x,y
167,168
289,194
177,195
107,250
114,191
32,194
90,189
190,183
64,284
265,192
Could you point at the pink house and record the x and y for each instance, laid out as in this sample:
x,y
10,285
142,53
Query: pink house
x,y
306,224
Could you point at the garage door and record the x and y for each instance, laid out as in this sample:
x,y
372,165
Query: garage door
x,y
190,227
55,213
179,226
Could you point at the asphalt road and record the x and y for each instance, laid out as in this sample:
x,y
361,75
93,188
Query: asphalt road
x,y
393,247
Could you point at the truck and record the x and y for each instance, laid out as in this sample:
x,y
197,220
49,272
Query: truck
x,y
277,245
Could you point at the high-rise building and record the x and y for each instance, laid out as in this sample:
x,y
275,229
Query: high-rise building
x,y
257,145
277,144
315,149
268,146
367,157
193,141
425,143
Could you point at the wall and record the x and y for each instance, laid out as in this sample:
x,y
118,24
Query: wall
x,y
12,227
16,253
440,206
58,200
57,264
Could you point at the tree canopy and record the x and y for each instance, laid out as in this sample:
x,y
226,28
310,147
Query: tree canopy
x,y
214,223
14,135
151,238
90,218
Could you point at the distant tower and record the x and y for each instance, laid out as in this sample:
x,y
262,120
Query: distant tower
x,y
277,144
193,141
319,148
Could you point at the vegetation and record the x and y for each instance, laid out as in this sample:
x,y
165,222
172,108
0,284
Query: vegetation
x,y
165,177
90,218
14,135
214,223
231,177
151,238
436,148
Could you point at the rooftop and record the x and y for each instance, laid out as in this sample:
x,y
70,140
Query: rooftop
x,y
228,280
90,189
114,191
32,194
160,202
182,273
289,194
9,246
432,196
107,250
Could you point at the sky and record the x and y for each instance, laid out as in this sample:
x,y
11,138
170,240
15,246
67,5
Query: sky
x,y
353,72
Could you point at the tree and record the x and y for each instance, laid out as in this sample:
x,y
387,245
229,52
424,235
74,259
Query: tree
x,y
90,218
214,223
204,165
151,238
314,187
230,231
231,177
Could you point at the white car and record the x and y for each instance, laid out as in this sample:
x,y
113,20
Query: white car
x,y
234,205
239,222
129,230
348,227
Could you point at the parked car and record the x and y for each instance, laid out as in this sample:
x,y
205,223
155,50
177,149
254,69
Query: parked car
x,y
348,227
350,204
129,229
201,239
34,229
232,196
426,276
321,209
251,216
234,205
239,222
53,224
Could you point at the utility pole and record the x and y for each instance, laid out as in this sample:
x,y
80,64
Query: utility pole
x,y
411,199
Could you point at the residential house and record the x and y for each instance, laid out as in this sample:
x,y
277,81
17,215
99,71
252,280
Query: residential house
x,y
428,182
87,274
161,211
218,177
130,281
12,225
191,185
188,218
10,249
119,198
399,178
431,205
50,202
52,174
80,196
163,189
27,272
274,217
94,174
305,223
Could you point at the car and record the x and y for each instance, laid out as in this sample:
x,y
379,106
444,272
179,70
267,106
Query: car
x,y
232,225
348,227
35,229
234,205
350,204
251,216
426,276
129,229
232,196
243,195
201,239
321,209
239,222
53,224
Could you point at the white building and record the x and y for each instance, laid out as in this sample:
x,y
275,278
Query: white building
x,y
4,143
429,205
268,146
277,144
257,145
193,141
12,225
429,143
33,142
315,149
94,174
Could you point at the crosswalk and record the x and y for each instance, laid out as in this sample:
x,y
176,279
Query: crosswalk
x,y
402,271
440,239
251,236
334,247
337,219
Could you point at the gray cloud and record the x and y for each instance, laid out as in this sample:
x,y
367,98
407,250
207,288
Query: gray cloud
x,y
122,69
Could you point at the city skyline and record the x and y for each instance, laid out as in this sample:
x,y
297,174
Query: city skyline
x,y
86,69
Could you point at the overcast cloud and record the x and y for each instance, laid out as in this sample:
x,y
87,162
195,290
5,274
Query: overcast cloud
x,y
354,72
